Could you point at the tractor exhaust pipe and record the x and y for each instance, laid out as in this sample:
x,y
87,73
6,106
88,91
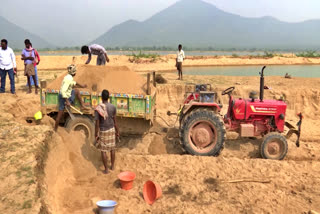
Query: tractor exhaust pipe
x,y
262,84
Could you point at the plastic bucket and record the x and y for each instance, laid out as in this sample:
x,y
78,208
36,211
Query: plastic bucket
x,y
106,206
126,179
151,192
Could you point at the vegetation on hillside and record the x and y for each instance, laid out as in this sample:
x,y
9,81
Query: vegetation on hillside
x,y
309,54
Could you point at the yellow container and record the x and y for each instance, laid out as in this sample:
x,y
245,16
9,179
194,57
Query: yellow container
x,y
38,115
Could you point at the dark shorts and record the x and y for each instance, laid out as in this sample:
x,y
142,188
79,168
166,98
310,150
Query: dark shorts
x,y
62,102
179,66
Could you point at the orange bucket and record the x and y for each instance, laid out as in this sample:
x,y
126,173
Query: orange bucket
x,y
151,192
126,179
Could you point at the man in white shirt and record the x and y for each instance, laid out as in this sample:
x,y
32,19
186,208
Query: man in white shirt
x,y
179,60
7,65
98,50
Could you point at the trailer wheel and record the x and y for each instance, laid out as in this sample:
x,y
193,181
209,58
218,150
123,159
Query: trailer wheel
x,y
83,124
203,133
274,146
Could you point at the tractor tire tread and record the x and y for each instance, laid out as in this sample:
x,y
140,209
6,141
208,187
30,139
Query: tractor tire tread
x,y
203,113
81,119
269,136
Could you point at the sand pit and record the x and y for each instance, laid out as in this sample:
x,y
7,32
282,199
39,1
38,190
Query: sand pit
x,y
190,184
117,79
237,181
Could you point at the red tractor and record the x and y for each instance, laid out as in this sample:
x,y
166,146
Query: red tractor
x,y
203,129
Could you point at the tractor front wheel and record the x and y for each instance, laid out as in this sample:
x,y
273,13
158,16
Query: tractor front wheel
x,y
274,146
203,133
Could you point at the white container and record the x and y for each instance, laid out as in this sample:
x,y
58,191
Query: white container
x,y
106,206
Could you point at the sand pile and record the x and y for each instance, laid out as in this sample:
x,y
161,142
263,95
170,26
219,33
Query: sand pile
x,y
116,79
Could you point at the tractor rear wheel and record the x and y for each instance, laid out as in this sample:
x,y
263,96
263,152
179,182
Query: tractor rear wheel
x,y
274,146
83,124
203,133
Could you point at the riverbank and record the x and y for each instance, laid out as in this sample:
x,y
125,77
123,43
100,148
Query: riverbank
x,y
167,62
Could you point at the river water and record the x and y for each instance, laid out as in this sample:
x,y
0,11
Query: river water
x,y
312,71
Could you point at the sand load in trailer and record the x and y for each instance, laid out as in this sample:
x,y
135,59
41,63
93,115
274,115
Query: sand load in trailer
x,y
131,93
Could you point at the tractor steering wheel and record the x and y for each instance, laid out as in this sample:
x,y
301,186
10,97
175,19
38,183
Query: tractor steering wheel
x,y
228,90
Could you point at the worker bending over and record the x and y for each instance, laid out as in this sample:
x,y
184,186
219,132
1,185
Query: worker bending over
x,y
98,50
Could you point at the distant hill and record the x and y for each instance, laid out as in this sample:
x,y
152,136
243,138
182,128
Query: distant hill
x,y
198,24
16,36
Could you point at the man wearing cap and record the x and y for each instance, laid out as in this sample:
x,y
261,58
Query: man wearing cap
x,y
67,94
98,50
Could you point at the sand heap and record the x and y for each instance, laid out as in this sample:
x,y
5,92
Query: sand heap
x,y
116,79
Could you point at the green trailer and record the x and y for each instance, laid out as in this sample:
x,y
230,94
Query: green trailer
x,y
135,112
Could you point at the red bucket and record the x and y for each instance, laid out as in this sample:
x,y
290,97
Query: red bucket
x,y
151,192
126,179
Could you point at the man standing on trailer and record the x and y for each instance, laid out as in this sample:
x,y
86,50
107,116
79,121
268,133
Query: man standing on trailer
x,y
98,50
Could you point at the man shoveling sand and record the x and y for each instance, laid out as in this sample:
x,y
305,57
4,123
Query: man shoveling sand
x,y
67,94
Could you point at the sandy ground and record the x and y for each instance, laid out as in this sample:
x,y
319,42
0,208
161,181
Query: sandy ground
x,y
22,149
167,63
73,180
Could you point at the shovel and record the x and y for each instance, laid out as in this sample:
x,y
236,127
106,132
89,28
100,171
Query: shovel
x,y
70,113
76,110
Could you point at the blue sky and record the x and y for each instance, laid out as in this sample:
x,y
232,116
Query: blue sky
x,y
61,21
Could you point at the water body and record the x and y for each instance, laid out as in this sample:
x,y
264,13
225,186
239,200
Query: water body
x,y
311,71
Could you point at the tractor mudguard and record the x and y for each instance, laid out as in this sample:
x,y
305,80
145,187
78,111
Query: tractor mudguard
x,y
187,107
293,130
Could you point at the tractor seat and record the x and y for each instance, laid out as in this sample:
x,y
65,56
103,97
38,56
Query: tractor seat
x,y
253,95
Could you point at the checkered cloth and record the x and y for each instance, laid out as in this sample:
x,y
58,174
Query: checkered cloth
x,y
107,140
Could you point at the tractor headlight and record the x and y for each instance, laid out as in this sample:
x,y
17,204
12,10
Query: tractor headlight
x,y
281,116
